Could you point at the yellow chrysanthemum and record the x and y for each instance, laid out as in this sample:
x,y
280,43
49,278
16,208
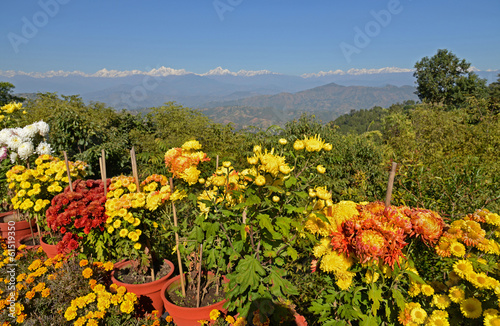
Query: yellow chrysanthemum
x,y
314,144
457,249
441,301
214,314
127,307
492,320
418,315
260,180
298,145
192,145
438,318
344,280
427,290
471,308
456,294
335,262
463,267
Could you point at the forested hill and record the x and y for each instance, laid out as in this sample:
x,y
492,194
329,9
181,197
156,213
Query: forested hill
x,y
331,97
327,102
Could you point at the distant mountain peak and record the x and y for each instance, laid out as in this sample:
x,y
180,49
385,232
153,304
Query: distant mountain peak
x,y
355,71
219,71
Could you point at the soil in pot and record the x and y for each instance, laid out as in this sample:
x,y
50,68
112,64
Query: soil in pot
x,y
30,241
208,296
130,275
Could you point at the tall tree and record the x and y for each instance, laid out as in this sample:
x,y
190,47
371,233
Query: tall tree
x,y
446,79
494,92
5,94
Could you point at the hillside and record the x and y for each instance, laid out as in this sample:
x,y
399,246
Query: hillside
x,y
326,102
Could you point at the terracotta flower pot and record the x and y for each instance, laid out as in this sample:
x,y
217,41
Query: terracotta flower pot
x,y
184,316
144,291
14,229
25,239
50,250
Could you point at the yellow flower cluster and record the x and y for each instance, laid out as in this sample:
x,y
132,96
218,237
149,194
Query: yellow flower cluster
x,y
95,304
221,186
9,109
183,161
469,231
269,163
34,188
127,208
29,284
312,144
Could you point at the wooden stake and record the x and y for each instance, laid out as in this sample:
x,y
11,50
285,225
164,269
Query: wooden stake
x,y
390,185
67,171
217,162
134,168
103,176
103,156
179,261
199,277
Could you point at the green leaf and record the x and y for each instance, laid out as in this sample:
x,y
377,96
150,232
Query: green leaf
x,y
414,277
400,300
265,222
368,321
247,275
292,253
275,189
252,200
375,294
279,285
290,181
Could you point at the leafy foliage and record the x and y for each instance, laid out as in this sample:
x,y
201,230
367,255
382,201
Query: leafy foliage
x,y
446,79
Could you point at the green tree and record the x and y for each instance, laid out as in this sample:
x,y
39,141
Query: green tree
x,y
494,92
446,79
5,94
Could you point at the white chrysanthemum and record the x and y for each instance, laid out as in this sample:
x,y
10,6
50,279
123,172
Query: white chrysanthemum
x,y
30,131
21,133
14,142
13,157
25,150
43,128
4,136
43,148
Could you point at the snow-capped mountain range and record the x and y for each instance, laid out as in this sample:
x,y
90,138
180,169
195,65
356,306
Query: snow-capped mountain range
x,y
132,89
219,71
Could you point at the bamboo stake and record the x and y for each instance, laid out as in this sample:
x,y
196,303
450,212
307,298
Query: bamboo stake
x,y
390,185
134,168
31,230
103,176
217,162
183,286
199,277
103,172
67,171
136,178
38,228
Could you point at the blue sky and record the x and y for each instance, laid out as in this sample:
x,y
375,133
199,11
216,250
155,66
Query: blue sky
x,y
284,36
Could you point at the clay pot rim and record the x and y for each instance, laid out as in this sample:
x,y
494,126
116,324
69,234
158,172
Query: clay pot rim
x,y
167,302
124,263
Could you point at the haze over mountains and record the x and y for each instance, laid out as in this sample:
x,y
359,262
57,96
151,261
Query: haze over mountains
x,y
222,93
